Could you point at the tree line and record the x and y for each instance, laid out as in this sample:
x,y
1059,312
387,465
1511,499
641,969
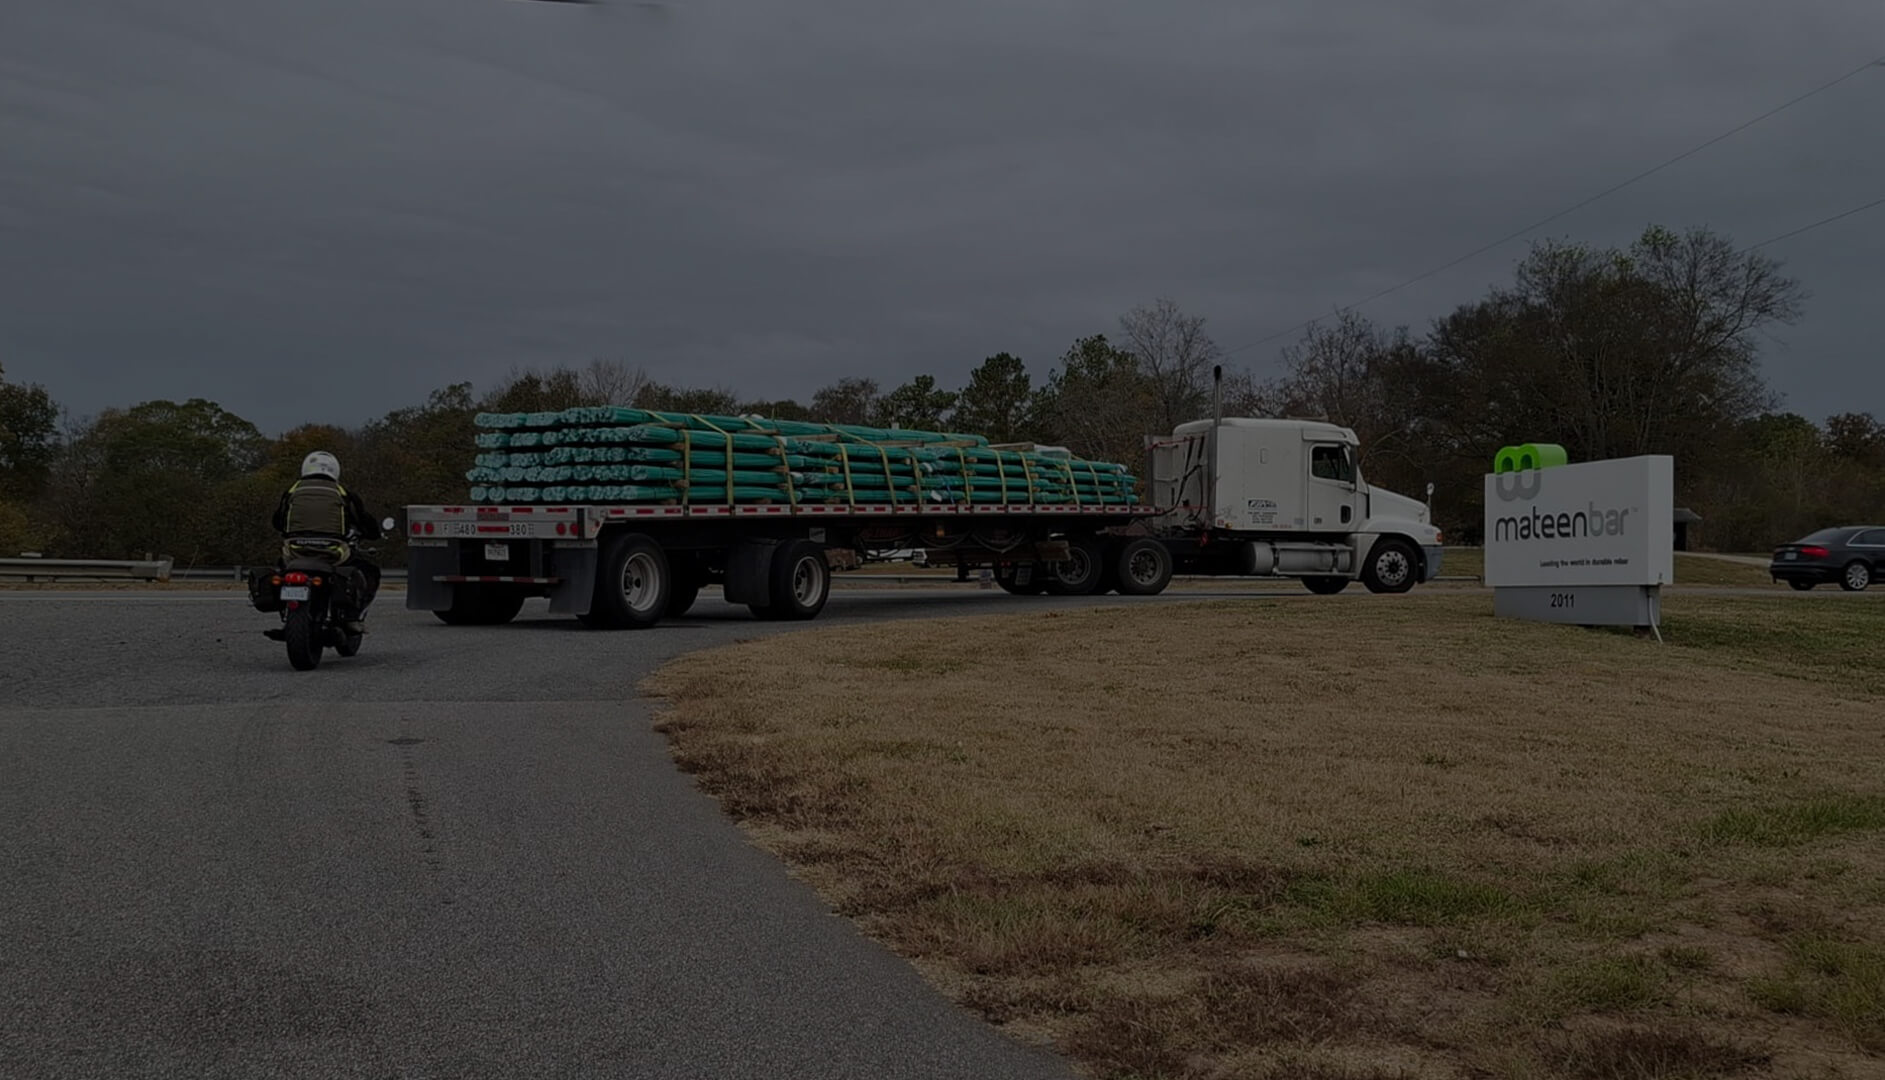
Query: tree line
x,y
1649,348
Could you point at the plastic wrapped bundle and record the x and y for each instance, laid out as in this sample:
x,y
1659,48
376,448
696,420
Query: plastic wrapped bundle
x,y
621,455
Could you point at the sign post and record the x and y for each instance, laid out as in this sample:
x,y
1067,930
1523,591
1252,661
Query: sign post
x,y
1591,544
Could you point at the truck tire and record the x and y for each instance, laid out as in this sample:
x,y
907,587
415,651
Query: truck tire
x,y
633,585
1144,567
1008,577
1325,586
681,600
1393,566
481,607
1083,573
800,584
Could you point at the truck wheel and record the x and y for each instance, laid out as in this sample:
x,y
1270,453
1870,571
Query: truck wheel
x,y
801,583
1083,571
1009,578
681,599
481,607
1393,567
1325,586
1144,567
633,585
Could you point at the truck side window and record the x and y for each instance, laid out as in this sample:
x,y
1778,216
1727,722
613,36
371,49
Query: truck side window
x,y
1330,463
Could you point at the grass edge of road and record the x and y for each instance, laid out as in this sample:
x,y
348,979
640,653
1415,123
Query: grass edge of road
x,y
1081,900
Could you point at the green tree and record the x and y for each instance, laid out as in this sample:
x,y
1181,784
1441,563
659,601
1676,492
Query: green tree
x,y
29,427
847,401
917,405
146,479
1099,403
998,402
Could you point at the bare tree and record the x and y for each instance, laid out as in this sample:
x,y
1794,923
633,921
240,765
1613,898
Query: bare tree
x,y
612,382
1175,355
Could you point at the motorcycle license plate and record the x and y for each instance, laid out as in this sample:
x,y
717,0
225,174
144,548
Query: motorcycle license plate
x,y
294,592
497,552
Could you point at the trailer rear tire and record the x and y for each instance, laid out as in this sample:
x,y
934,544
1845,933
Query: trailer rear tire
x,y
800,583
633,585
681,600
481,607
1083,572
1008,577
1144,568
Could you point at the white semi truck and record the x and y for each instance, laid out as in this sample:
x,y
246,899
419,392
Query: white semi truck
x,y
1248,497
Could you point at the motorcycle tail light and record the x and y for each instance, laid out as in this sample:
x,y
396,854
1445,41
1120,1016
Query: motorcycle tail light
x,y
314,581
276,580
296,578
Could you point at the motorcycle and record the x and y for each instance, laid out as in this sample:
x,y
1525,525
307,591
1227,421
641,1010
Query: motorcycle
x,y
304,591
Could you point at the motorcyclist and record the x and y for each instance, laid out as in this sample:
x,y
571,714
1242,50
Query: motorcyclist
x,y
318,519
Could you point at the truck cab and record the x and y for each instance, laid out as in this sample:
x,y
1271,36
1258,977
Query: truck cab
x,y
1286,498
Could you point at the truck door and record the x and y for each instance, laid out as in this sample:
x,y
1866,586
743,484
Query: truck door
x,y
1332,499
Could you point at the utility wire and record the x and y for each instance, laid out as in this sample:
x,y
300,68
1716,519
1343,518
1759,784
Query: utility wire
x,y
1607,192
1809,228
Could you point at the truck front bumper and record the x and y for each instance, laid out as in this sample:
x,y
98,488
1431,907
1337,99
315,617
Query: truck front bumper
x,y
1430,566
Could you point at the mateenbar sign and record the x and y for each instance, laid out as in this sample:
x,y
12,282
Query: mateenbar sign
x,y
1589,524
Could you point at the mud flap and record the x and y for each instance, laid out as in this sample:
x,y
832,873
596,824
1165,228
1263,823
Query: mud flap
x,y
575,570
422,565
749,573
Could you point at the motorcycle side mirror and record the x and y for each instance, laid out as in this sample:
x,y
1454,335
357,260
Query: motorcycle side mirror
x,y
387,525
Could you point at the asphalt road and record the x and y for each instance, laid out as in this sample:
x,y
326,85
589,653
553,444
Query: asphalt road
x,y
462,853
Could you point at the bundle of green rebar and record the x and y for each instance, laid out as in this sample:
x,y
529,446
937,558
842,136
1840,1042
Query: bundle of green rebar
x,y
616,455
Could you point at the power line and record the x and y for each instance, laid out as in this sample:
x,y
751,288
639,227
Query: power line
x,y
1809,228
1607,192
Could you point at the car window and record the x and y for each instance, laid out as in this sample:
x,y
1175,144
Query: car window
x,y
1826,536
1330,463
1870,538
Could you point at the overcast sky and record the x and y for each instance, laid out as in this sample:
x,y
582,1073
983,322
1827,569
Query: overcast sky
x,y
323,209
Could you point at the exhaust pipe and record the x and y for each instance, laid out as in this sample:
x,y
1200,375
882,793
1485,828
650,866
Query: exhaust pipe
x,y
1217,395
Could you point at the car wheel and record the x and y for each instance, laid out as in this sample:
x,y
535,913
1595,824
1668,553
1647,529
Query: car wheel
x,y
1857,578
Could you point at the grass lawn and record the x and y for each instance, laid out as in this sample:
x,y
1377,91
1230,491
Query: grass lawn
x,y
1691,569
1352,837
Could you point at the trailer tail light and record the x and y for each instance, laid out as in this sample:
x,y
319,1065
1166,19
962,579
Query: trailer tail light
x,y
561,529
1815,552
430,528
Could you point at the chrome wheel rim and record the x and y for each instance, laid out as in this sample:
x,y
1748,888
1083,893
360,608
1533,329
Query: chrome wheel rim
x,y
807,580
641,580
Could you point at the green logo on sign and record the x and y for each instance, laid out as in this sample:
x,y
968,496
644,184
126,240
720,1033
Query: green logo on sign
x,y
1528,456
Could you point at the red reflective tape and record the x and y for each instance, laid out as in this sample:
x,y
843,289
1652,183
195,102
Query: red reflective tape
x,y
494,528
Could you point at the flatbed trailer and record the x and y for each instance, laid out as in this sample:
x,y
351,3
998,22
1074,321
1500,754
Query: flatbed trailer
x,y
630,567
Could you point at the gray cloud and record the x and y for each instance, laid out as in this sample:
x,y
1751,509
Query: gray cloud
x,y
321,211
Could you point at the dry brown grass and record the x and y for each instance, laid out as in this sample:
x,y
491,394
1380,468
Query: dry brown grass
x,y
1354,837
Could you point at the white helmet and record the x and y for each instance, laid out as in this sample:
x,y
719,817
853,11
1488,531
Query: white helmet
x,y
321,463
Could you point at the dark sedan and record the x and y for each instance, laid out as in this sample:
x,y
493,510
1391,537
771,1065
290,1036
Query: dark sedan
x,y
1851,556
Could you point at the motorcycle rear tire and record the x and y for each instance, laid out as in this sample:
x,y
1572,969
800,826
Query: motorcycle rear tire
x,y
303,638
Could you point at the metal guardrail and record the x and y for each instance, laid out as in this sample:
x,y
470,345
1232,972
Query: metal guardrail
x,y
85,569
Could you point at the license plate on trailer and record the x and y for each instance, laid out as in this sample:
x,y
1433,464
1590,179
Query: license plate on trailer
x,y
294,592
497,552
